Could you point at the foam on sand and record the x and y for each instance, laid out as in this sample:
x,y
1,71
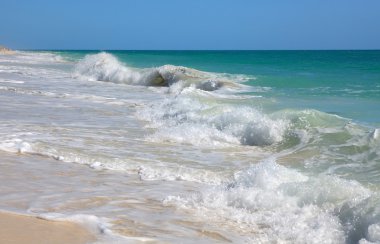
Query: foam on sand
x,y
15,228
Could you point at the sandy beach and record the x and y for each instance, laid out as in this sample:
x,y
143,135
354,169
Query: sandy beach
x,y
18,229
5,50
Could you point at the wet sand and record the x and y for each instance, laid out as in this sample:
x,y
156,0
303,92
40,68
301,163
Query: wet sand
x,y
19,229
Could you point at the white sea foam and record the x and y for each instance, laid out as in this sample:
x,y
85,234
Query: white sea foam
x,y
270,202
283,205
375,134
183,118
100,227
155,170
83,97
106,67
198,120
12,81
180,172
374,233
31,66
31,58
15,145
91,222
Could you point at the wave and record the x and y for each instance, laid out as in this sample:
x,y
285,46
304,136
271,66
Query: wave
x,y
82,96
154,170
264,197
31,57
311,139
106,67
187,116
267,197
187,119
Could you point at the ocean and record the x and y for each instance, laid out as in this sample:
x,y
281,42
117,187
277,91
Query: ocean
x,y
195,146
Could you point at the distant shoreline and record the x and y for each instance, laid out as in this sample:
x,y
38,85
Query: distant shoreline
x,y
5,50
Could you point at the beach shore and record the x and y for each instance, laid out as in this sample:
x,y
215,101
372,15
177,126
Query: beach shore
x,y
5,50
20,229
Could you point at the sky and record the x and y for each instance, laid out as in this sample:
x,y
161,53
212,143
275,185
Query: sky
x,y
190,25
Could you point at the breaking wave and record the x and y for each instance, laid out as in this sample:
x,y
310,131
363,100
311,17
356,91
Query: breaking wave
x,y
202,121
106,67
268,198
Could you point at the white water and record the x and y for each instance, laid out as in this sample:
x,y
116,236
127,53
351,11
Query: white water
x,y
190,159
105,67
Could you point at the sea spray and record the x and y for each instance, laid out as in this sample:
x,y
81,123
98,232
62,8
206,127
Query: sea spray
x,y
267,197
106,67
193,117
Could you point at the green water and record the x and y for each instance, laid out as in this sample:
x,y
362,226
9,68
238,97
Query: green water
x,y
163,154
346,83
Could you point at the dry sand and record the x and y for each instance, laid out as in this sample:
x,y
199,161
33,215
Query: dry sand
x,y
20,229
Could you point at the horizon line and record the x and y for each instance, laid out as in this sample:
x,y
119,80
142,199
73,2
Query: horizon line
x,y
196,50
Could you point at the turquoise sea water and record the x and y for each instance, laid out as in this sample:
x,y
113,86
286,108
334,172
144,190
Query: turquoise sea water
x,y
346,83
195,146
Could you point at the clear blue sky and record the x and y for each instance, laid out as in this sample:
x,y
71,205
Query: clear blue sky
x,y
190,24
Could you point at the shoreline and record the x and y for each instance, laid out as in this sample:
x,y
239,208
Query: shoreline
x,y
17,228
5,50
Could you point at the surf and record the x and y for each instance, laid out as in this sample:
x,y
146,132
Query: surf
x,y
106,67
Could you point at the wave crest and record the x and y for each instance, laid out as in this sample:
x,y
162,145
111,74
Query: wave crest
x,y
106,67
202,121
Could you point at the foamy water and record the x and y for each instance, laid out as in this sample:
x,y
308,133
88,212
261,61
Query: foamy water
x,y
176,154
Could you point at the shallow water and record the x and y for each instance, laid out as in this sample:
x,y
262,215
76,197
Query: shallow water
x,y
195,146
